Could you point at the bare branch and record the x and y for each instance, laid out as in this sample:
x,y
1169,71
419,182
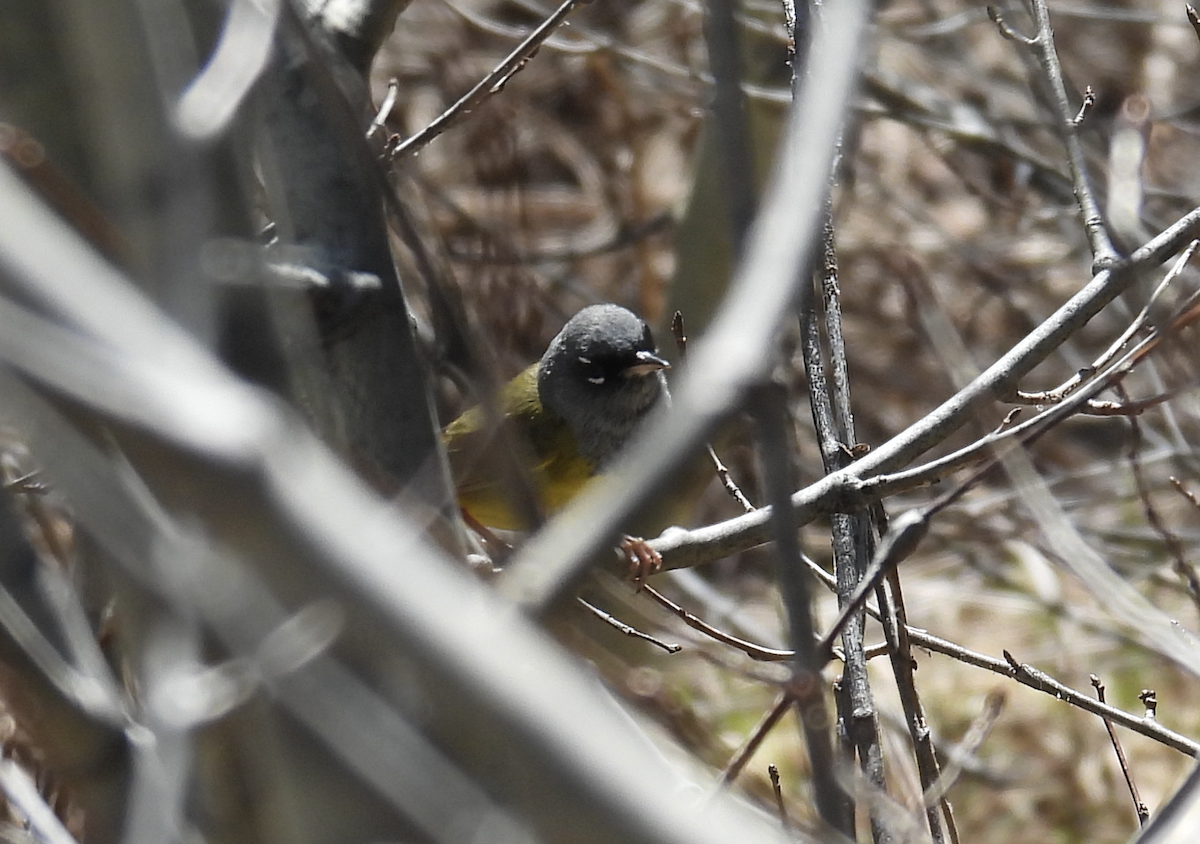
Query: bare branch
x,y
1104,254
847,488
1143,814
491,84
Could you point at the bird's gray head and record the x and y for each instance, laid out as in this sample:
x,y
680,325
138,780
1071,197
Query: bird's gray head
x,y
602,375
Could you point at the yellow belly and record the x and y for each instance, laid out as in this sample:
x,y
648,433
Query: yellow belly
x,y
554,468
553,485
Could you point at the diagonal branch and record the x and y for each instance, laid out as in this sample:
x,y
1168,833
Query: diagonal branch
x,y
491,84
847,488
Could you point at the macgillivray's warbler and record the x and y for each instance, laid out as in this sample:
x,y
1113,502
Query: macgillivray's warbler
x,y
575,409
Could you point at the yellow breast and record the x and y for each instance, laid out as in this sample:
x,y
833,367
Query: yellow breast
x,y
553,465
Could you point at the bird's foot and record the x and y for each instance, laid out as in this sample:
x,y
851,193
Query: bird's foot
x,y
496,550
643,560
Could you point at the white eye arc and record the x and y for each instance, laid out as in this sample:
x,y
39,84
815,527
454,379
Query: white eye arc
x,y
598,380
584,361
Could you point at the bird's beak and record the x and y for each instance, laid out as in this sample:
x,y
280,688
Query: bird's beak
x,y
648,362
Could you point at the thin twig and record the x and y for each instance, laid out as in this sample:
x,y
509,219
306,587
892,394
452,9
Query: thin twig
x,y
1033,678
773,773
1138,323
1007,31
980,450
1027,675
1150,700
626,629
385,108
895,628
735,765
756,652
1131,409
491,84
26,483
1185,570
1143,813
974,738
849,487
1185,492
902,539
1089,100
727,481
731,487
1104,254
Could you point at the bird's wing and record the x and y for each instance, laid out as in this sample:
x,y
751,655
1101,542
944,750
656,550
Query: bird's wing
x,y
542,442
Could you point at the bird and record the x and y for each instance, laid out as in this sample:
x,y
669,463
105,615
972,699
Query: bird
x,y
572,413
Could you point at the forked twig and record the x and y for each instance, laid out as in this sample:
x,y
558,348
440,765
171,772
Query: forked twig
x,y
1104,254
1007,31
1034,678
1031,677
1142,812
1139,322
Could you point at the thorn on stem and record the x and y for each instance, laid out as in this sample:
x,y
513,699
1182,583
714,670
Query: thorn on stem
x,y
1008,420
773,773
1149,699
677,331
1089,100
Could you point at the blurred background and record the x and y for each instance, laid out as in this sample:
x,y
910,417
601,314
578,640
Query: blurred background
x,y
589,179
216,156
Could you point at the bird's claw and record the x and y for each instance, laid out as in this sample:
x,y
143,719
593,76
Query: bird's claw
x,y
643,560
